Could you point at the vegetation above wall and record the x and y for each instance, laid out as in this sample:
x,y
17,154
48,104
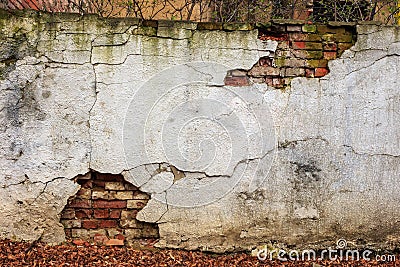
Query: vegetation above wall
x,y
386,11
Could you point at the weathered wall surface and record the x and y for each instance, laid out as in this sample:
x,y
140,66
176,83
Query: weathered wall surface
x,y
227,167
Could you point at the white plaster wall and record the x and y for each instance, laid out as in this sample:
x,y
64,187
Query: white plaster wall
x,y
228,167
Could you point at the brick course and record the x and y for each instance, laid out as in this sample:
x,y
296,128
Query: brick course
x,y
303,51
104,211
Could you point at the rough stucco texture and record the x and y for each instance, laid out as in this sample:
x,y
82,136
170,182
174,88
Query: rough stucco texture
x,y
227,168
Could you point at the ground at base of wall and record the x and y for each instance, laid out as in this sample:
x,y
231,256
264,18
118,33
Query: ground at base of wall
x,y
40,254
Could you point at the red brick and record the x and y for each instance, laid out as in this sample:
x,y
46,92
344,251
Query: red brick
x,y
83,214
78,242
320,72
86,183
100,214
68,214
114,204
329,55
237,81
299,45
99,184
330,47
80,203
120,237
310,73
100,239
115,242
89,224
107,224
115,214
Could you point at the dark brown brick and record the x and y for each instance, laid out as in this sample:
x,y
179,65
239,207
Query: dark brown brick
x,y
89,224
114,204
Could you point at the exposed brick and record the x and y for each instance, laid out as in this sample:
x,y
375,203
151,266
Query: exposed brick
x,y
89,224
112,232
128,219
327,29
81,233
100,239
317,63
237,73
265,61
306,54
68,214
94,232
80,203
115,214
68,233
320,72
83,213
100,195
309,28
99,184
113,204
299,45
261,71
236,81
313,46
309,73
293,28
344,38
305,37
269,81
120,237
86,184
84,193
277,82
132,234
129,186
71,223
330,46
121,195
293,63
344,46
294,72
100,214
110,177
114,186
149,231
79,242
115,242
329,55
107,224
135,204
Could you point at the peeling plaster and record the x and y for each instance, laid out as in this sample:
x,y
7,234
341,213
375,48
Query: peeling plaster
x,y
344,125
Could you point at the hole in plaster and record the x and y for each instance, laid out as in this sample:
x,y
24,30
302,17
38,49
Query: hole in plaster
x,y
104,211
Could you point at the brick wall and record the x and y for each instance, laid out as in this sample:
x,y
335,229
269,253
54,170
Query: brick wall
x,y
303,51
104,211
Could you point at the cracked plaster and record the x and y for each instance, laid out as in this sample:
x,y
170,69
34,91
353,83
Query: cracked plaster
x,y
333,166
